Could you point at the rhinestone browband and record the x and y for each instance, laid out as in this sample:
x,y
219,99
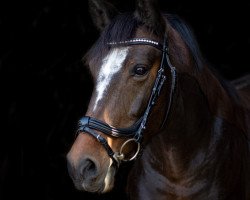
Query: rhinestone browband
x,y
138,41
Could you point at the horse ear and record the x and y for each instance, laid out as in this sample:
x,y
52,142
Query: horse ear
x,y
101,13
148,13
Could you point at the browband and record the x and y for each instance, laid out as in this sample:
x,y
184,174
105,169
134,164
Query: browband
x,y
139,41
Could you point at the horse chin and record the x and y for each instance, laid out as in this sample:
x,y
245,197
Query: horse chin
x,y
109,179
92,188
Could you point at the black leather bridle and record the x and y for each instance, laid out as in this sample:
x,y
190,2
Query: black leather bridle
x,y
134,133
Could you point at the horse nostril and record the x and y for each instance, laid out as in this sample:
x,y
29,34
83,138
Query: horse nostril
x,y
88,168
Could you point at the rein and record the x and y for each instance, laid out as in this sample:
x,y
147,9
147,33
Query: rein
x,y
134,133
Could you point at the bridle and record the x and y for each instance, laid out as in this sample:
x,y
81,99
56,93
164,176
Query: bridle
x,y
134,133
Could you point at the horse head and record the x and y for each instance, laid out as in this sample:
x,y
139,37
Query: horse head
x,y
125,65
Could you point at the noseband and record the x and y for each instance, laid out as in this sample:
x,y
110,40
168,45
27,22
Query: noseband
x,y
134,133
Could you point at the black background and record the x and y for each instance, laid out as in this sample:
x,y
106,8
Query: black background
x,y
44,87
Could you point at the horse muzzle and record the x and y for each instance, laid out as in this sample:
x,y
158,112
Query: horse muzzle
x,y
88,175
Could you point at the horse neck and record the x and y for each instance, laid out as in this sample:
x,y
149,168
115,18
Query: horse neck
x,y
190,129
193,140
204,124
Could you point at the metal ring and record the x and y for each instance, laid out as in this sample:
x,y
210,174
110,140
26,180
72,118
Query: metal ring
x,y
136,153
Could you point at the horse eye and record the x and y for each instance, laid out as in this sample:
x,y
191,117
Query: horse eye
x,y
140,70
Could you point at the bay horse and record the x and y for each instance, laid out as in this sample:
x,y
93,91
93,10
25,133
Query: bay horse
x,y
158,104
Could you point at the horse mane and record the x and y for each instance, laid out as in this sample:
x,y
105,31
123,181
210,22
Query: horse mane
x,y
209,79
189,39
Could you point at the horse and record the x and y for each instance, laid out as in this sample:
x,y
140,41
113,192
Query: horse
x,y
160,106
